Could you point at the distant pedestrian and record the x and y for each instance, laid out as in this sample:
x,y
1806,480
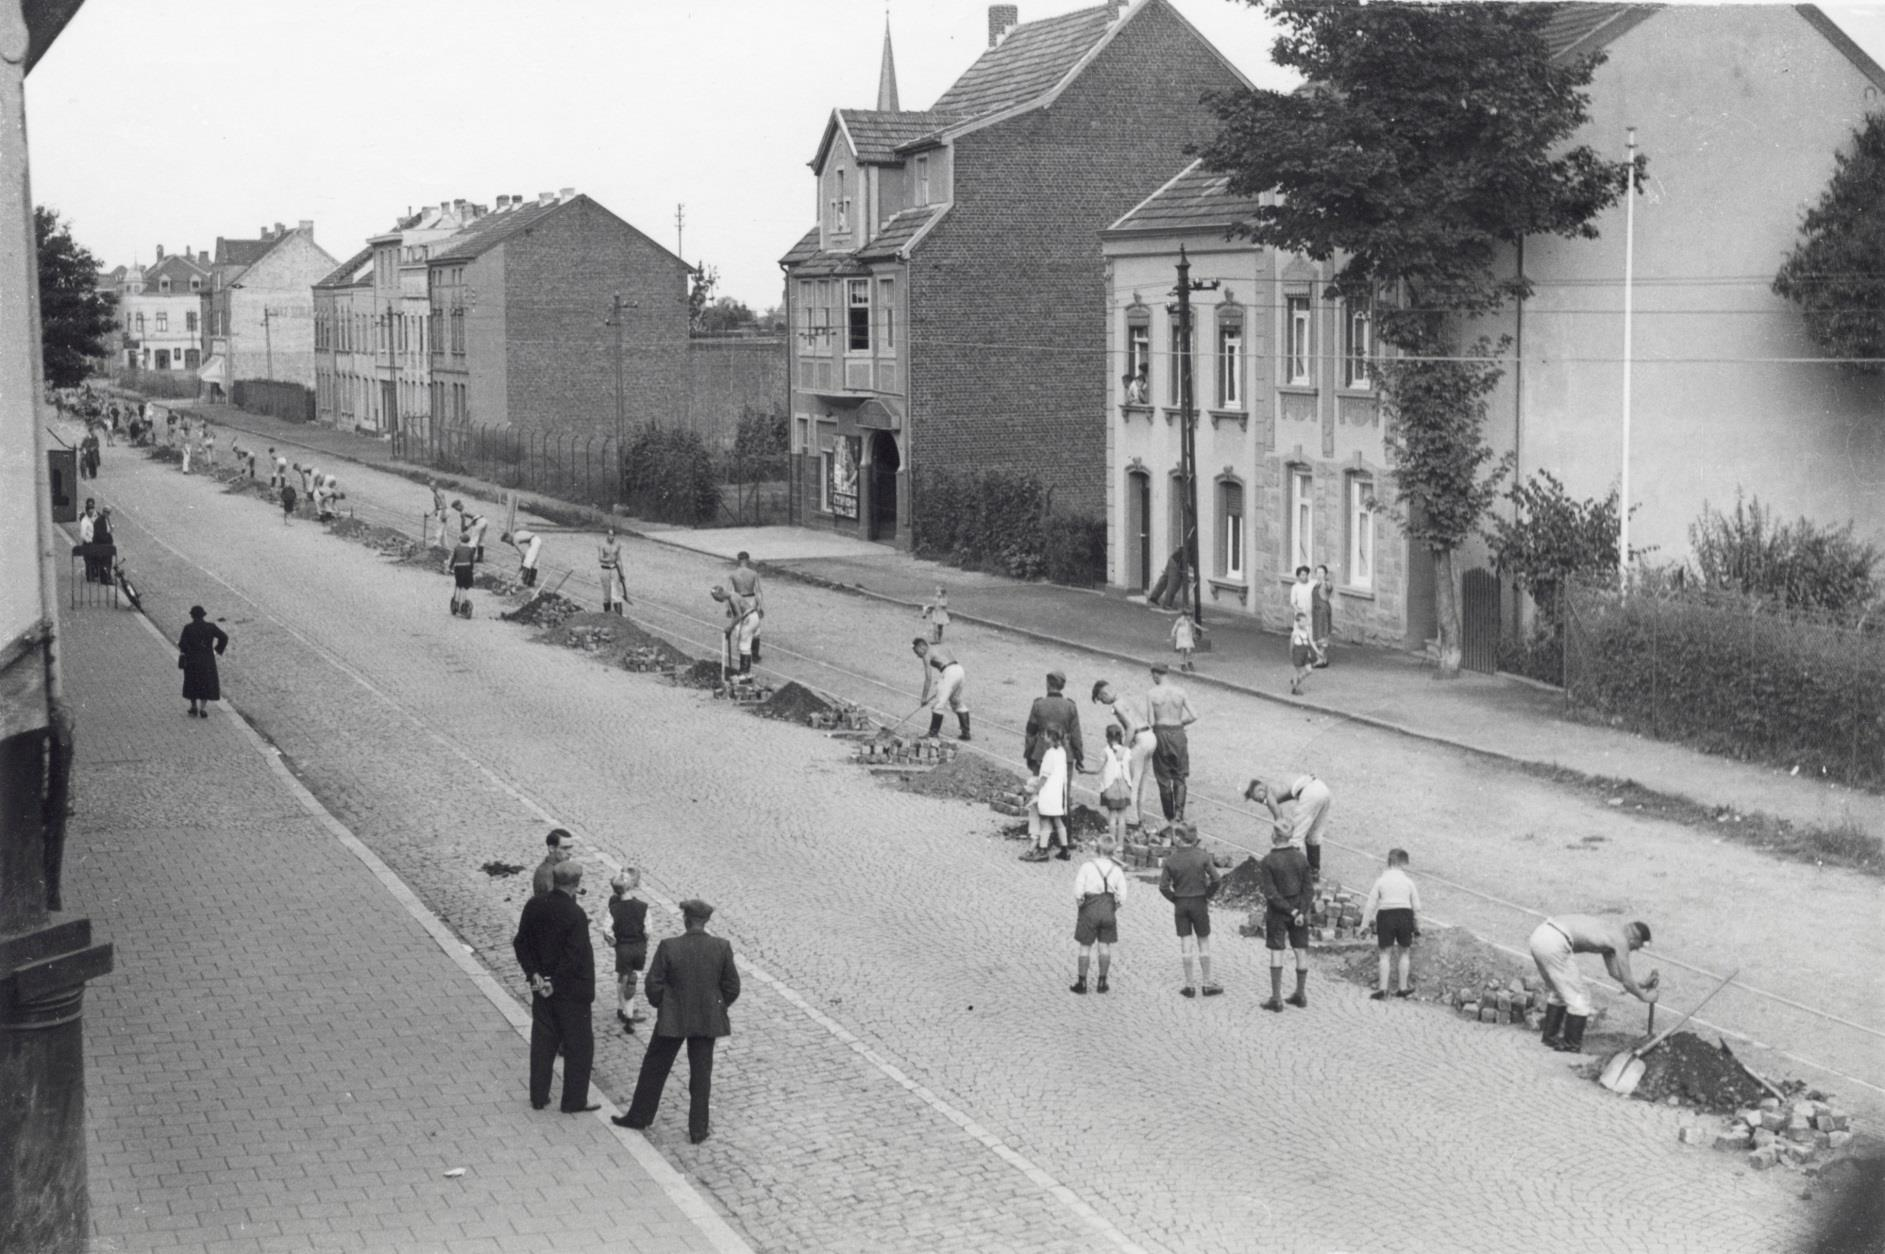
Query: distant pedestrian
x,y
278,468
614,588
945,686
1051,800
745,582
88,455
1302,653
936,613
1140,743
1555,944
1189,880
198,647
552,946
1288,894
1302,595
1321,616
287,502
1099,892
307,472
529,546
628,932
464,569
691,983
251,467
1393,910
1171,713
1115,785
559,847
1053,712
189,448
1185,635
1307,820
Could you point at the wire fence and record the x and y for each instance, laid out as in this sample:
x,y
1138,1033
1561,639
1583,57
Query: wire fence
x,y
749,490
1731,675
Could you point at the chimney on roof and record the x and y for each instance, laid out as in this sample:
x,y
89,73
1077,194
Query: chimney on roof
x,y
160,252
280,230
306,226
1002,18
1118,8
545,198
566,193
503,203
262,230
517,200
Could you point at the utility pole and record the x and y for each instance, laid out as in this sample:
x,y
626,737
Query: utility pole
x,y
1188,432
680,222
1629,312
268,343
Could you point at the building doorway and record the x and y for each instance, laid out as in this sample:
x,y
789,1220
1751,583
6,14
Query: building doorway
x,y
883,485
163,359
1138,531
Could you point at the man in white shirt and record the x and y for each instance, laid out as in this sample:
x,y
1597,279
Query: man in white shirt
x,y
529,546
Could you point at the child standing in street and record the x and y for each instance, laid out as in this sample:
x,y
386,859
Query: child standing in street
x,y
287,502
937,614
463,569
1116,782
1098,893
628,923
1047,814
1392,910
1185,635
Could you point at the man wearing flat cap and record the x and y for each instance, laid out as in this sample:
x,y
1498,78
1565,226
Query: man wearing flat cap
x,y
690,983
1053,711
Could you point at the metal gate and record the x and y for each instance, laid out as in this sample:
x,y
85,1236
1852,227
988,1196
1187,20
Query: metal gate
x,y
1479,621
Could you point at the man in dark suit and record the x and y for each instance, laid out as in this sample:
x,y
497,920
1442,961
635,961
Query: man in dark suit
x,y
690,983
1056,712
552,946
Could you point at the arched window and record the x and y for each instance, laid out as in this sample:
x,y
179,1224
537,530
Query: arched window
x,y
1230,529
1230,357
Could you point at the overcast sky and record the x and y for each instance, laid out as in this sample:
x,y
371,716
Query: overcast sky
x,y
174,121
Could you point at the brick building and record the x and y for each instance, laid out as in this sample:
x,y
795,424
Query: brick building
x,y
258,310
521,333
945,309
160,312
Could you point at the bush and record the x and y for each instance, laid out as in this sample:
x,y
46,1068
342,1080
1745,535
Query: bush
x,y
669,477
1554,538
1800,565
1541,657
167,384
1730,675
999,521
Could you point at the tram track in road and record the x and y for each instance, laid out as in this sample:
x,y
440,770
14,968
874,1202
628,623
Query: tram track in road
x,y
687,628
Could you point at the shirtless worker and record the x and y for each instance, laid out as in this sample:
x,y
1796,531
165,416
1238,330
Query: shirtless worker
x,y
1556,942
1307,821
1170,711
529,546
946,682
745,581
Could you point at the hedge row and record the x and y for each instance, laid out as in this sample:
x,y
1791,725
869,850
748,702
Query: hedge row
x,y
1002,522
1733,679
670,477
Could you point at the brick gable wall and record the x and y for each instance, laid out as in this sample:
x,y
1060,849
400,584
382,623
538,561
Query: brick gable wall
x,y
1008,321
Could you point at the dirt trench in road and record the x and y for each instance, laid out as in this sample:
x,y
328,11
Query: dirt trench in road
x,y
1493,846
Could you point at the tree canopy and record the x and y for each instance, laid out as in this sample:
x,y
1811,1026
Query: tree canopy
x,y
1836,273
1429,139
74,316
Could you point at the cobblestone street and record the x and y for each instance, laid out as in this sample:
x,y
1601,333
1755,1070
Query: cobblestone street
x,y
908,1072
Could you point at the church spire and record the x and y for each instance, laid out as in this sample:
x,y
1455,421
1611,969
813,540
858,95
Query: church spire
x,y
887,76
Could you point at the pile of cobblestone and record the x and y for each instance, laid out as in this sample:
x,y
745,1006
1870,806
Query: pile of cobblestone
x,y
841,717
547,609
1334,916
744,690
1517,1002
904,751
1799,1133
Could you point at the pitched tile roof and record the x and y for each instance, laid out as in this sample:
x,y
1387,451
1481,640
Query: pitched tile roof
x,y
350,271
240,252
1579,29
178,269
1028,63
804,250
877,135
898,231
487,232
1198,199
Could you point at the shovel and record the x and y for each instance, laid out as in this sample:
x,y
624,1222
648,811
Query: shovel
x,y
1623,1070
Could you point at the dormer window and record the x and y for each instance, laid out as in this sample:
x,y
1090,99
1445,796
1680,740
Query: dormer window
x,y
840,205
196,285
922,180
163,285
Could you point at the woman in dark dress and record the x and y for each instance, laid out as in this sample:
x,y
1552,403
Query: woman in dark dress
x,y
197,650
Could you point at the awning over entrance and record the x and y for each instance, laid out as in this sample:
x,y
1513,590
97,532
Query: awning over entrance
x,y
871,414
214,371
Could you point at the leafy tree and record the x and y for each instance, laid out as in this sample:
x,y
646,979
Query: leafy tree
x,y
705,279
725,314
1430,139
1553,538
1836,273
74,316
773,319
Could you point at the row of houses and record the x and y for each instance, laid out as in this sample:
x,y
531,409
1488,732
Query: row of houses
x,y
990,285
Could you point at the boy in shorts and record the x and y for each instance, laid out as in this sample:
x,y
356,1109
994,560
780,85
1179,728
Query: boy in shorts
x,y
1391,910
1098,893
1283,875
1189,880
1302,653
628,932
462,569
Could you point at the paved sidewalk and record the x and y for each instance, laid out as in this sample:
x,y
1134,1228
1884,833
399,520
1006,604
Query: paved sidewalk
x,y
292,1053
1384,687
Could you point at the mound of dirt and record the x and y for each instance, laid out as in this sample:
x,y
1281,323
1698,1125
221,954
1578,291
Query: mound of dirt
x,y
792,702
547,610
702,674
1445,959
1695,1073
1240,886
965,777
